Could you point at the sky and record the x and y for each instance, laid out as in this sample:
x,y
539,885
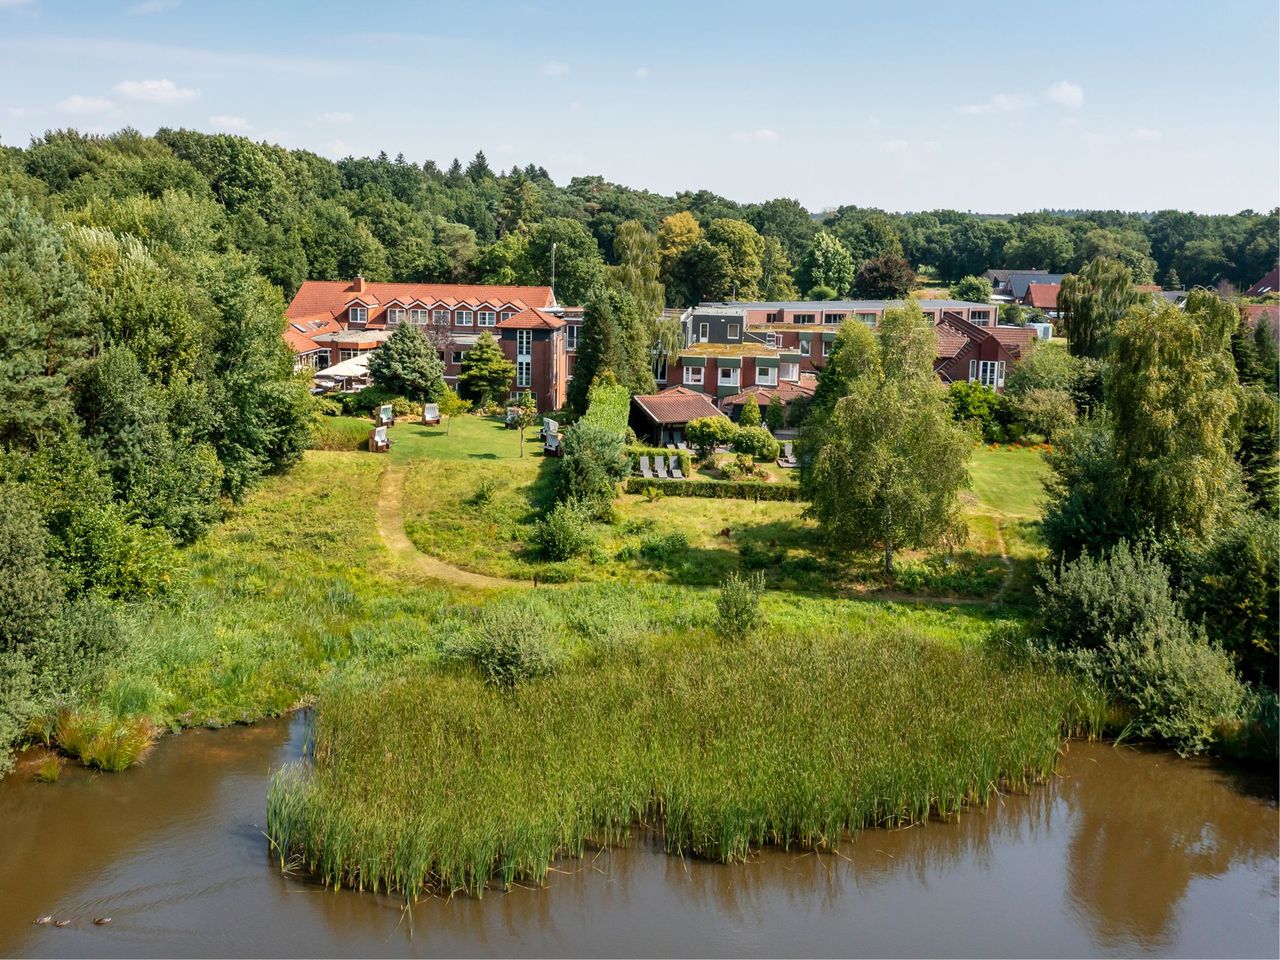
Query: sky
x,y
990,107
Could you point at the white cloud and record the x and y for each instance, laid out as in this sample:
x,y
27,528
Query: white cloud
x,y
1066,94
554,68
230,123
763,135
1146,135
155,91
1000,103
79,104
151,6
642,73
337,116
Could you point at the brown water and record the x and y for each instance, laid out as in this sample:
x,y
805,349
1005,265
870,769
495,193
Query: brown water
x,y
1126,852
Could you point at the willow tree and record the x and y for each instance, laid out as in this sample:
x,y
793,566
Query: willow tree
x,y
636,251
886,461
1175,407
1091,304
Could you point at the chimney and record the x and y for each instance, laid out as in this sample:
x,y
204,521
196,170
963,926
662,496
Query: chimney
x,y
358,284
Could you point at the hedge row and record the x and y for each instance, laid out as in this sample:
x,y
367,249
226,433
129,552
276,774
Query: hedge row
x,y
608,406
636,452
716,489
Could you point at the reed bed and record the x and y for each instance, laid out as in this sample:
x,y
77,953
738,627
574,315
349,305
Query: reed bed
x,y
431,780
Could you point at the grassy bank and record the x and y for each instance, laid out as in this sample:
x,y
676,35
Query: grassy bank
x,y
432,779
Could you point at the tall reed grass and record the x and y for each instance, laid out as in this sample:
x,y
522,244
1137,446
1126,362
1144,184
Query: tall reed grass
x,y
430,779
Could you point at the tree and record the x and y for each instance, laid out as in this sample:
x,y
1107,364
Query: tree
x,y
1011,315
750,416
885,278
636,251
707,433
775,272
615,337
678,236
45,338
1042,248
505,262
775,414
888,461
594,461
972,289
407,365
728,261
578,264
486,373
828,263
787,222
1172,281
451,405
1091,304
525,415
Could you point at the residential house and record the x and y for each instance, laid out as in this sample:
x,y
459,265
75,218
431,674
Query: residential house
x,y
660,418
1042,296
1000,280
1267,285
350,319
1020,281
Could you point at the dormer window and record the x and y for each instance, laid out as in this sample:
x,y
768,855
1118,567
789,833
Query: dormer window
x,y
440,316
358,314
395,316
462,318
487,318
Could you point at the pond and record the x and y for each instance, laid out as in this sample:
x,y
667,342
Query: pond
x,y
1125,852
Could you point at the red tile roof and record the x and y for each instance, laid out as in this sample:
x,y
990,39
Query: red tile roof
x,y
950,341
1017,340
532,319
299,342
786,391
677,405
1268,284
331,297
1044,296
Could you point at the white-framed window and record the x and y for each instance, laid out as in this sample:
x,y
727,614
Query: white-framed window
x,y
418,317
735,331
989,373
571,337
524,343
440,316
806,348
395,316
826,348
524,370
358,314
693,376
980,317
789,372
767,376
348,354
727,376
458,355
506,314
462,318
868,318
486,318
703,333
834,317
802,318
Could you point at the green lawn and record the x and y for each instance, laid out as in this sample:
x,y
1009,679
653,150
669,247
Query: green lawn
x,y
1008,480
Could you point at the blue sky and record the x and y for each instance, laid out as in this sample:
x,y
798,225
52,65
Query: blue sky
x,y
995,107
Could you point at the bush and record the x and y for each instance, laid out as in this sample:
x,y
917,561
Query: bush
x,y
980,405
1116,620
608,406
563,533
707,433
775,415
594,462
365,403
755,557
716,489
1044,411
507,644
1011,315
738,607
750,415
484,492
665,550
327,406
757,442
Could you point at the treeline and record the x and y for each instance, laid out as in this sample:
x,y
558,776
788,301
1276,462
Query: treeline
x,y
143,384
302,216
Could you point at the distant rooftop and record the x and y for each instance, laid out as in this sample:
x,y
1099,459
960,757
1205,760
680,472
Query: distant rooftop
x,y
830,305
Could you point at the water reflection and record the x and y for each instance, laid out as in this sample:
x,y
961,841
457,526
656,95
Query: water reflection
x,y
1123,852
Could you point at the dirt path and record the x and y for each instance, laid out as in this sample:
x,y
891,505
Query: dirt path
x,y
1008,564
391,529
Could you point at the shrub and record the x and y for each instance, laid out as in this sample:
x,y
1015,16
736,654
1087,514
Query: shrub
x,y
608,406
738,607
484,492
507,644
717,489
1118,623
775,414
563,533
707,433
365,403
981,406
1044,411
755,557
594,462
1011,315
666,549
798,410
750,415
756,441
327,406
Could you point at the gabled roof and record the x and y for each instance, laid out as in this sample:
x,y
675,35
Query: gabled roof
x,y
331,297
1019,282
1017,340
531,319
1043,296
299,342
786,391
1268,284
1003,275
677,405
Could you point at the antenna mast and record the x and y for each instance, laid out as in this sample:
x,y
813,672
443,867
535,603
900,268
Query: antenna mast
x,y
553,267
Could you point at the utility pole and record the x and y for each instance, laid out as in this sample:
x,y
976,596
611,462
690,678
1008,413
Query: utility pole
x,y
553,267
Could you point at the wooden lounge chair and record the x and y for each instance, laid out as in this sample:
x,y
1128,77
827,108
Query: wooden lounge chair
x,y
644,468
430,414
676,472
660,468
379,442
386,416
788,458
